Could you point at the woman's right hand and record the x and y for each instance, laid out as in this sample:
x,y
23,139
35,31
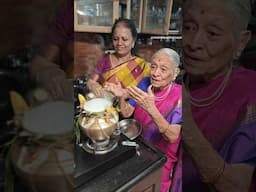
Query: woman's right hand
x,y
95,88
52,78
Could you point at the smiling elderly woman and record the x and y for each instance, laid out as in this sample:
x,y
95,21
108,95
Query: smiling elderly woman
x,y
156,104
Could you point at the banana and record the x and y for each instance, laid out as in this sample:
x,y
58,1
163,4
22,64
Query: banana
x,y
19,104
81,99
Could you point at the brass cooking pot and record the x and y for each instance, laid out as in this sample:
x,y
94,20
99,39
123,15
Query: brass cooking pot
x,y
98,119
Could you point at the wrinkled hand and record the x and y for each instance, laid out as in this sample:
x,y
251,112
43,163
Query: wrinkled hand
x,y
145,100
116,89
53,79
58,86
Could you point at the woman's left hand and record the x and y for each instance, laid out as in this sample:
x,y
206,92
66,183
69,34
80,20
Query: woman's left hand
x,y
145,99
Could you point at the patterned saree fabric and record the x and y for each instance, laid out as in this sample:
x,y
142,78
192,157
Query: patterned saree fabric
x,y
128,73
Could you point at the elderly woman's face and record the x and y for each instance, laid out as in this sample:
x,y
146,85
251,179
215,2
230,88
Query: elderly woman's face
x,y
208,41
161,71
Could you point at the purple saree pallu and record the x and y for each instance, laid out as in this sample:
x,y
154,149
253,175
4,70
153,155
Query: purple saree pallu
x,y
229,124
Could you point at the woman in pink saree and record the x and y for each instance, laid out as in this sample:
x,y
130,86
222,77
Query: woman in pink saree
x,y
219,98
156,104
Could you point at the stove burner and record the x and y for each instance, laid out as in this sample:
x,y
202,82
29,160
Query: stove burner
x,y
100,148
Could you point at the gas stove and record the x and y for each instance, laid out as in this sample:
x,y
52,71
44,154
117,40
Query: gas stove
x,y
99,148
91,162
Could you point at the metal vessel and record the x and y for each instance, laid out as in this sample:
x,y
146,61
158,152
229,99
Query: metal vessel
x,y
98,120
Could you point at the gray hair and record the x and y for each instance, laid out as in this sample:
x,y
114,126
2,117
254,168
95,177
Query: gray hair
x,y
173,55
241,12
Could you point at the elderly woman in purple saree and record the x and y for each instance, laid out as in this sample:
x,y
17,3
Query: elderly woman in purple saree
x,y
219,98
230,126
171,110
156,104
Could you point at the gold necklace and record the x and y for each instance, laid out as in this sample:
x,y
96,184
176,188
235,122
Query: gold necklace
x,y
207,101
